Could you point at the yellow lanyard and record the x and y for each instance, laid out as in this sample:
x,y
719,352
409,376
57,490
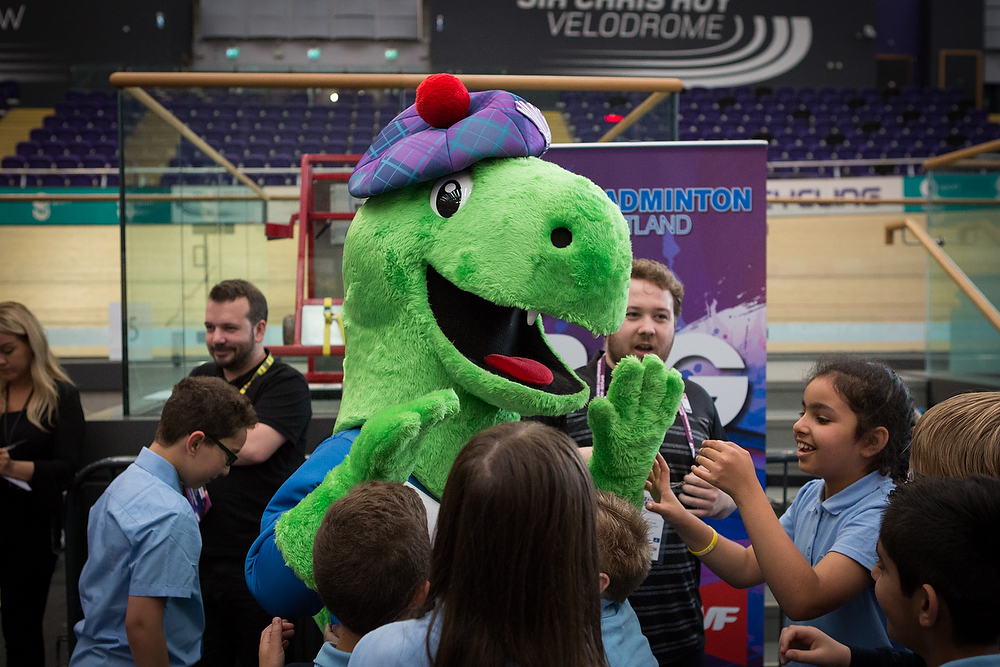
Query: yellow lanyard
x,y
260,371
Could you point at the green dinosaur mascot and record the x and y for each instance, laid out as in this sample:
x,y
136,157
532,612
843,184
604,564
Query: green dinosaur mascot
x,y
465,237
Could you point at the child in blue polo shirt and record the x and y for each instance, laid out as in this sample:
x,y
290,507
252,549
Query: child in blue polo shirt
x,y
624,556
371,560
139,588
817,559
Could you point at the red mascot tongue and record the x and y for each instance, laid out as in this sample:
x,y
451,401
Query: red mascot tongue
x,y
528,371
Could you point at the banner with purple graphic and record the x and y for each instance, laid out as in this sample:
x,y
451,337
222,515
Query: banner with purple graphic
x,y
701,209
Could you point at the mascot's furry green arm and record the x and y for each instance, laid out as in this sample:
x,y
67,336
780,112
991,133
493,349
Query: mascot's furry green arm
x,y
465,237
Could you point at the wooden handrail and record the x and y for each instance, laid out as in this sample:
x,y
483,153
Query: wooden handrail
x,y
208,196
331,80
961,154
948,264
897,201
628,121
170,119
133,82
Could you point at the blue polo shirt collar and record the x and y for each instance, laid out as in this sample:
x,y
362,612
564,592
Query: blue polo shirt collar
x,y
158,467
854,494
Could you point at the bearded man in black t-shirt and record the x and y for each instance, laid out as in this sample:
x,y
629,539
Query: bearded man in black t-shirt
x,y
235,321
667,603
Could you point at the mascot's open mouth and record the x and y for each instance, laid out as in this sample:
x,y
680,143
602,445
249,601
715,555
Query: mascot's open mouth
x,y
497,339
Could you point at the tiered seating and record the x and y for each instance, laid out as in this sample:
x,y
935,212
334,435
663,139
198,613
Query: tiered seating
x,y
253,131
81,134
264,131
802,124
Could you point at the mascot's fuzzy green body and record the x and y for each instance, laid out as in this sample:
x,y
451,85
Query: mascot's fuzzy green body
x,y
443,283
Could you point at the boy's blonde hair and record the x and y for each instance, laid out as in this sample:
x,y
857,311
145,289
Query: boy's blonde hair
x,y
623,548
959,437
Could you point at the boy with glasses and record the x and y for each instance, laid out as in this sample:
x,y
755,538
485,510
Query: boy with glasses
x,y
139,589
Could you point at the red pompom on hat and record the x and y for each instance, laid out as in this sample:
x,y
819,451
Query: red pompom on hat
x,y
442,100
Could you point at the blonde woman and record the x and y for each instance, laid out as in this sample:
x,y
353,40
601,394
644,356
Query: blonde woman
x,y
41,434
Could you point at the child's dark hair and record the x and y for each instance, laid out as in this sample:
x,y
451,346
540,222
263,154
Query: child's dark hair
x,y
207,404
878,397
372,554
514,568
946,532
622,545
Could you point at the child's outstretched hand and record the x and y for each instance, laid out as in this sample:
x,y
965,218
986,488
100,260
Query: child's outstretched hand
x,y
804,643
273,642
665,503
726,466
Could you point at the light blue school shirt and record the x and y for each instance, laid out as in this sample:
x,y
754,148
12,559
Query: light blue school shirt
x,y
331,656
847,523
399,644
142,540
624,643
992,660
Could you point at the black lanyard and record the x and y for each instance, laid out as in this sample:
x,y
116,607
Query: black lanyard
x,y
8,433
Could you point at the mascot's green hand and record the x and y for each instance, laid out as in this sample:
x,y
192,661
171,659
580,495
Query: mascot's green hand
x,y
629,424
385,449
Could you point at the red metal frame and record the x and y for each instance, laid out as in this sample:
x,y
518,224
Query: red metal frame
x,y
305,288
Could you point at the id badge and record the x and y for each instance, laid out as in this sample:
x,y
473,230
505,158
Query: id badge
x,y
654,526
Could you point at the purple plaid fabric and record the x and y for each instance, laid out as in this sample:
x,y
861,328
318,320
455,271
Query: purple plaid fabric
x,y
408,150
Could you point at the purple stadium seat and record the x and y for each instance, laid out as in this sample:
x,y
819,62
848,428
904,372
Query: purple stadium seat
x,y
105,148
279,179
39,162
67,162
80,148
28,148
13,162
311,147
259,146
254,161
284,147
92,136
95,162
112,180
84,181
41,134
282,160
52,181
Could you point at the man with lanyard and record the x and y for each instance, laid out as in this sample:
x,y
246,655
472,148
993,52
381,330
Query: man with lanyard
x,y
667,603
235,321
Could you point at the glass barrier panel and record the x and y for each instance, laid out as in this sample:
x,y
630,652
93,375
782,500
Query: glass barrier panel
x,y
961,340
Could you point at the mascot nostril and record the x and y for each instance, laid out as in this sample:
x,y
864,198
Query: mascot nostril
x,y
561,237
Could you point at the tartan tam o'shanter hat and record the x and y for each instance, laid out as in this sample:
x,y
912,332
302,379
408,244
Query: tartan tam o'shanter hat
x,y
441,134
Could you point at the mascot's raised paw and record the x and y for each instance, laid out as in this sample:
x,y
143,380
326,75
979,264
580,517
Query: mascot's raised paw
x,y
386,449
630,423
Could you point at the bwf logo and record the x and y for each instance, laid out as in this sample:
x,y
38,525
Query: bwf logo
x,y
9,18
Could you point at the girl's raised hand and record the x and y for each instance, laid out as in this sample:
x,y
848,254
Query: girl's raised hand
x,y
665,503
727,466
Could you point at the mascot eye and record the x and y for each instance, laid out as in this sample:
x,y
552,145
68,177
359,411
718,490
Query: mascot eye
x,y
450,193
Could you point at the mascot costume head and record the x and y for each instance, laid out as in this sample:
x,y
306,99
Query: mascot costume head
x,y
465,237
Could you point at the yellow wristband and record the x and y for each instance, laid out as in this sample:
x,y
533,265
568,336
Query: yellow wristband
x,y
711,545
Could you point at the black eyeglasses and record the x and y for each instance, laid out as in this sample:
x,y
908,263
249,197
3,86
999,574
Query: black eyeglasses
x,y
230,455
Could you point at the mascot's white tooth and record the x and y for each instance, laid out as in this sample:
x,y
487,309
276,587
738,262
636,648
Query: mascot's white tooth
x,y
532,316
